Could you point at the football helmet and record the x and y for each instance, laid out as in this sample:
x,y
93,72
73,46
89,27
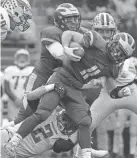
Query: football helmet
x,y
4,23
120,47
20,14
67,17
105,25
65,124
22,58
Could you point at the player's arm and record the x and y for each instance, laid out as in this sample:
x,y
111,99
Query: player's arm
x,y
8,90
39,92
91,38
52,44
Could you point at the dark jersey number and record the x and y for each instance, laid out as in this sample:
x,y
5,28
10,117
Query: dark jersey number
x,y
17,81
46,132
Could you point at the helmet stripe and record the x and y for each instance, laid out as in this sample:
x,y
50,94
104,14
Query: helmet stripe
x,y
102,19
107,19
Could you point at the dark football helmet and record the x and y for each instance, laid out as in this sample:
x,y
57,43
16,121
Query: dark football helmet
x,y
67,17
65,124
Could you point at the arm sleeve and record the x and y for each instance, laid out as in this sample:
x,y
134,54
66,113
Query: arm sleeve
x,y
51,40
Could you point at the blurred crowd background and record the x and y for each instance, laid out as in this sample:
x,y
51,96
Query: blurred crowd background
x,y
123,11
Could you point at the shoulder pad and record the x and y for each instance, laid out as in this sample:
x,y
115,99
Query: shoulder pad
x,y
10,68
50,34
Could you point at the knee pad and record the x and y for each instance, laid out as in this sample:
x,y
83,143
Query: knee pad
x,y
86,121
42,115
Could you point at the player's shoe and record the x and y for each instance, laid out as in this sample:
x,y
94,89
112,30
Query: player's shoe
x,y
99,153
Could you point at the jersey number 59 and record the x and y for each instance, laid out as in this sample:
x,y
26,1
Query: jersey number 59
x,y
46,132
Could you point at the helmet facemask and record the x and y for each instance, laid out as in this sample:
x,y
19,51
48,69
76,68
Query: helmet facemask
x,y
106,34
65,124
72,23
120,47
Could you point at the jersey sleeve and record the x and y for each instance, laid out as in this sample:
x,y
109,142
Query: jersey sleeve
x,y
50,35
7,73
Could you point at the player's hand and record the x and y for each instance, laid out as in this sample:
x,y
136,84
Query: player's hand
x,y
69,52
18,102
124,92
9,124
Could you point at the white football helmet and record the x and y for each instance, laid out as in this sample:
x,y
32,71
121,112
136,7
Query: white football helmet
x,y
20,14
121,47
105,25
4,23
22,58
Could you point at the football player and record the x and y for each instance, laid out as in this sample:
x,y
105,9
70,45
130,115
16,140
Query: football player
x,y
73,75
58,133
121,118
105,25
66,17
15,78
16,15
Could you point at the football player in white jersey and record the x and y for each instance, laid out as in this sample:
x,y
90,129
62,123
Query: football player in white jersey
x,y
58,132
122,116
106,26
15,78
16,15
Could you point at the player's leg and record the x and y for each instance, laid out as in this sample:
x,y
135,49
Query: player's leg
x,y
118,138
78,110
102,107
47,104
29,107
133,134
111,125
102,136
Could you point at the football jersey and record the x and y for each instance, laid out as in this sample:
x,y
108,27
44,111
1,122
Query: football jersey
x,y
17,78
41,138
123,78
94,64
47,63
4,22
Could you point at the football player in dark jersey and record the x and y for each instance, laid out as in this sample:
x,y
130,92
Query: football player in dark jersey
x,y
73,75
66,17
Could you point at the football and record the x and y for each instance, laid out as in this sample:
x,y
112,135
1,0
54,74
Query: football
x,y
79,52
